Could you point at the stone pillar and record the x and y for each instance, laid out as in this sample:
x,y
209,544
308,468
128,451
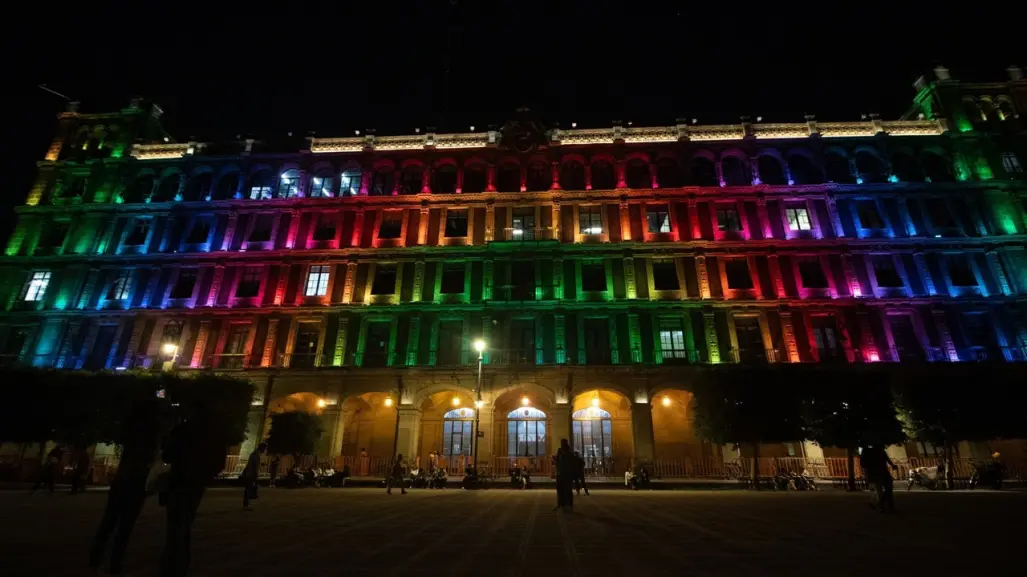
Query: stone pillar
x,y
358,227
556,220
925,273
348,286
418,287
133,342
718,168
426,180
283,284
422,226
556,176
215,284
340,342
558,278
103,241
486,448
625,221
761,213
267,359
999,272
907,221
704,277
201,345
408,431
151,288
710,331
630,291
413,339
851,280
233,221
64,354
92,277
487,280
621,168
774,266
642,430
490,222
867,342
788,334
944,335
832,213
294,227
635,338
334,418
559,424
490,175
693,219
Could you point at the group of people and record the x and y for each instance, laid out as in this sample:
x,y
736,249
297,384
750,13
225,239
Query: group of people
x,y
570,476
53,468
178,471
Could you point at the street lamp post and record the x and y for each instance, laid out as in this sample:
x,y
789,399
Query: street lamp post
x,y
479,345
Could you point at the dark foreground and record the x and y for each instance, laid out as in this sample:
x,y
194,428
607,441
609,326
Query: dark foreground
x,y
313,532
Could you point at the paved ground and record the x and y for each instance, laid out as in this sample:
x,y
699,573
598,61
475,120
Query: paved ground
x,y
313,532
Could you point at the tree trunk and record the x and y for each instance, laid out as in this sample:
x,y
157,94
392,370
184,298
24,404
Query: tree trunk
x,y
756,465
949,484
850,456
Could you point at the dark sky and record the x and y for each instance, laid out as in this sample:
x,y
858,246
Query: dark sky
x,y
220,70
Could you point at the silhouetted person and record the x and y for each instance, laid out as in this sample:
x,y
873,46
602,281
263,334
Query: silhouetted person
x,y
196,457
272,470
875,463
249,476
81,470
49,470
139,440
565,471
396,475
579,474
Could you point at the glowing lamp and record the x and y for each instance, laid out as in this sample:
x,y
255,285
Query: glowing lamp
x,y
479,345
479,404
170,348
666,401
874,357
525,401
388,401
456,401
321,403
859,180
595,402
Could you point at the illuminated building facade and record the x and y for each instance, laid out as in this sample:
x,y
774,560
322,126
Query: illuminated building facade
x,y
600,265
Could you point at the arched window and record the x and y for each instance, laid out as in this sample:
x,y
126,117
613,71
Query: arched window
x,y
572,176
74,187
703,172
457,432
140,189
197,187
905,168
770,170
260,185
972,111
381,182
593,434
411,178
168,187
668,173
1005,110
350,181
637,174
837,168
288,184
475,178
803,170
322,184
225,188
539,177
734,171
936,168
508,178
603,177
526,433
870,167
444,179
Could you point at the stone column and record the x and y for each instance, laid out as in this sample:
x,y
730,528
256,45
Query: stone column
x,y
559,424
413,339
925,273
215,284
635,338
625,221
774,266
64,353
867,342
133,342
832,213
907,221
490,175
556,220
358,227
151,288
490,222
334,418
267,359
294,227
348,286
788,334
422,226
233,221
944,335
283,283
408,431
92,277
999,272
704,277
201,345
556,176
850,276
560,338
693,219
630,290
487,280
710,330
761,213
642,429
339,358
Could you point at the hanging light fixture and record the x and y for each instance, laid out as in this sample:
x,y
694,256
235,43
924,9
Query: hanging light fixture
x,y
525,401
321,403
666,401
595,400
388,401
456,401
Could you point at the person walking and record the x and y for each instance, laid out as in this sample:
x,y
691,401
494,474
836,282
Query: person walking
x,y
396,475
579,474
565,472
127,494
49,469
875,463
249,476
196,457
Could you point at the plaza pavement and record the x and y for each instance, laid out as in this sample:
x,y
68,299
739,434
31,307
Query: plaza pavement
x,y
501,532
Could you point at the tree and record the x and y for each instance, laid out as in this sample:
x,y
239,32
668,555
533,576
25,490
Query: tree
x,y
294,433
849,409
741,406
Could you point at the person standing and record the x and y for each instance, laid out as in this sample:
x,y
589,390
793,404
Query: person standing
x,y
272,470
579,474
49,469
875,463
127,493
396,475
249,476
196,457
565,471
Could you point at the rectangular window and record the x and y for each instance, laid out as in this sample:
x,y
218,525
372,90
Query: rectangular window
x,y
35,289
658,218
120,287
325,227
798,218
317,280
590,219
16,338
1011,163
452,279
183,288
304,349
522,224
812,274
597,341
349,183
979,332
737,271
672,339
384,280
235,347
825,337
939,212
321,186
137,236
199,232
260,192
960,271
593,277
249,282
392,224
884,270
377,352
727,220
869,217
262,226
53,235
665,275
456,223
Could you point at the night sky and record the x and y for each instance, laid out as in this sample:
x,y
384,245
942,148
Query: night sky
x,y
218,71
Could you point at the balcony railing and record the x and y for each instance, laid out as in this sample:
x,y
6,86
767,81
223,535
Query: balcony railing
x,y
227,361
514,234
524,292
753,356
302,360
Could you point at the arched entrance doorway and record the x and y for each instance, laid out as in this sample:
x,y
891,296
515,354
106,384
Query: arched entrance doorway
x,y
674,434
447,430
601,431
